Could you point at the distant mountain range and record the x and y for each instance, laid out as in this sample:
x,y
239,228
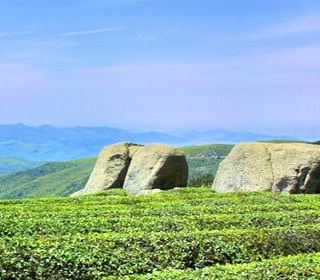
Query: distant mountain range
x,y
227,136
49,143
54,143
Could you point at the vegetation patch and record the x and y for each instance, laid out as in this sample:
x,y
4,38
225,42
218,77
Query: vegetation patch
x,y
190,233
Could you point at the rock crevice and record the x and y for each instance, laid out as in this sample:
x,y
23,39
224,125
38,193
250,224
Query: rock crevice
x,y
111,168
269,159
138,169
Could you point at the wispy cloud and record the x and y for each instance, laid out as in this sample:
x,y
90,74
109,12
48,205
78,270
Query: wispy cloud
x,y
94,31
11,34
297,26
258,83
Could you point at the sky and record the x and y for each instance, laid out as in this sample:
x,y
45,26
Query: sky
x,y
161,64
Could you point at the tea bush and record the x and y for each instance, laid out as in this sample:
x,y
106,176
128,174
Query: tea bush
x,y
190,233
293,267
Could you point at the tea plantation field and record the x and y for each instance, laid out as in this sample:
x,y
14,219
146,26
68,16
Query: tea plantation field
x,y
190,233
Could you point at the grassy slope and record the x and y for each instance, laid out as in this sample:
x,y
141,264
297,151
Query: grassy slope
x,y
207,150
115,234
9,165
64,178
51,179
204,161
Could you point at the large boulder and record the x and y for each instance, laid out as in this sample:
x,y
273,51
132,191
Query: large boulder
x,y
288,168
156,167
110,169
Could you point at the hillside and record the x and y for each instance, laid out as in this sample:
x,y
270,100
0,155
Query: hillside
x,y
64,178
227,136
10,165
51,179
161,236
210,150
204,161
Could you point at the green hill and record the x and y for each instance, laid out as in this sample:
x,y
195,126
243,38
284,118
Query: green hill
x,y
204,161
10,165
64,178
51,179
179,234
210,150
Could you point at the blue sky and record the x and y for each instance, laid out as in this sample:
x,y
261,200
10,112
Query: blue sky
x,y
161,64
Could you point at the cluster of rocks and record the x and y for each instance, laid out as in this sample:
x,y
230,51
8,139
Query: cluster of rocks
x,y
137,169
289,168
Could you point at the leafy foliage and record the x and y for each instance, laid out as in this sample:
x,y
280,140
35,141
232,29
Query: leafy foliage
x,y
193,233
303,266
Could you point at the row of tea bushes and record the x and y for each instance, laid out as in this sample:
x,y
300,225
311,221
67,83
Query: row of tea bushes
x,y
94,256
73,224
116,235
292,267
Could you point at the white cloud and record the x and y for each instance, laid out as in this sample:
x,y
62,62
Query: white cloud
x,y
94,31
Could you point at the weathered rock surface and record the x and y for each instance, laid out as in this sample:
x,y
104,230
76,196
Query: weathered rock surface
x,y
111,168
289,168
156,167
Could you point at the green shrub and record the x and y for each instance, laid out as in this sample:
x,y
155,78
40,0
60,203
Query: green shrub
x,y
90,256
194,232
293,267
